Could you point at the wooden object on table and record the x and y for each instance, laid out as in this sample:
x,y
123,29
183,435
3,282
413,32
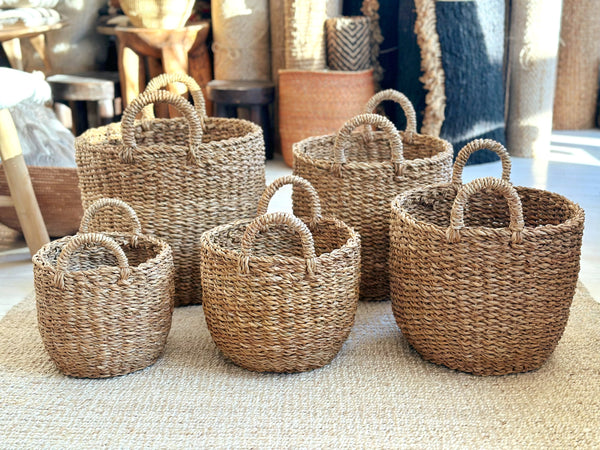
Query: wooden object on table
x,y
180,50
247,100
11,43
22,196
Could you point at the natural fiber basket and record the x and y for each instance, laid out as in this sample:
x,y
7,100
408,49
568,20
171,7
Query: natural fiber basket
x,y
57,195
280,295
104,300
164,14
348,43
183,176
482,275
357,176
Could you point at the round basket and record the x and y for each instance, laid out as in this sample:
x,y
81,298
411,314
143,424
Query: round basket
x,y
482,275
57,195
182,176
104,301
358,175
275,301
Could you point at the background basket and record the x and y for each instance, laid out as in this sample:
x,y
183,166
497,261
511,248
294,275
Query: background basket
x,y
104,301
357,176
165,14
183,176
275,301
348,43
480,286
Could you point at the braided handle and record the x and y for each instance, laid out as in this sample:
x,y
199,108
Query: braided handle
x,y
402,100
103,203
165,79
89,238
296,181
148,98
472,147
262,223
515,208
343,137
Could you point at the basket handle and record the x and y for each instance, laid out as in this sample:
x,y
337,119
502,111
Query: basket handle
x,y
164,80
148,98
103,203
296,181
504,188
403,101
343,137
472,147
262,223
90,238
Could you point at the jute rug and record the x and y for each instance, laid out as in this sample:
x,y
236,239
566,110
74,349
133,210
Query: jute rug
x,y
377,393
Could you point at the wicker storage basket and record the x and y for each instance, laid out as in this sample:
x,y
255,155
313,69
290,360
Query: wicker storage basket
x,y
57,195
104,300
183,176
357,176
275,301
479,283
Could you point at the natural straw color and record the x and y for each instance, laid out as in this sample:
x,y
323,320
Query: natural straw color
x,y
183,176
482,275
305,34
280,294
104,301
358,175
164,14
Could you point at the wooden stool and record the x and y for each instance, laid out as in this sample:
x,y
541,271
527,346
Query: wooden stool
x,y
93,90
247,100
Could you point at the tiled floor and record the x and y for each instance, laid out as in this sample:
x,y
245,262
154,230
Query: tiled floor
x,y
571,169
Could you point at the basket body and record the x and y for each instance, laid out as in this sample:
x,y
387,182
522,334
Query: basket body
x,y
58,196
348,43
175,199
361,195
165,14
96,326
276,317
483,305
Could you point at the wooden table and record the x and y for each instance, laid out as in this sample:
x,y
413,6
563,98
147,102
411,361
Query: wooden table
x,y
11,43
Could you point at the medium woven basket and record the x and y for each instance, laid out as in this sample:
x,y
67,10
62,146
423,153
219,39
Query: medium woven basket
x,y
482,275
348,43
280,295
358,175
183,176
57,195
104,300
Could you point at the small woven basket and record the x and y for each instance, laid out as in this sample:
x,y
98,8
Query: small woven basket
x,y
357,176
275,301
183,176
104,300
482,275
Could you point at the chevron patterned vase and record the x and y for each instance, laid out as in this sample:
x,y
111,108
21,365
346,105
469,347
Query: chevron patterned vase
x,y
348,45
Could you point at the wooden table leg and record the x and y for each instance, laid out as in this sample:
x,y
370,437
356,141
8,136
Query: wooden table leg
x,y
155,69
39,44
129,73
12,48
174,60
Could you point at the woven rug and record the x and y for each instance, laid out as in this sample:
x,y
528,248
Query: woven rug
x,y
377,393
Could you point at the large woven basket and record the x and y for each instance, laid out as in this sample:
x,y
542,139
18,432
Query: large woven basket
x,y
482,275
104,300
280,295
57,195
183,176
357,176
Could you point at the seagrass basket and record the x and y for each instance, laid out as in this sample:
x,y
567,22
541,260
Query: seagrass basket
x,y
482,275
358,175
183,175
104,300
280,294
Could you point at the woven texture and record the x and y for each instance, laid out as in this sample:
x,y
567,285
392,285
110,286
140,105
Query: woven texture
x,y
315,103
377,393
305,34
348,43
182,176
166,14
104,301
357,176
280,295
58,197
482,275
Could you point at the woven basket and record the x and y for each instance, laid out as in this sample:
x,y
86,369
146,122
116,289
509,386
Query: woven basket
x,y
318,103
277,302
104,300
165,14
480,286
57,195
181,179
357,176
348,43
